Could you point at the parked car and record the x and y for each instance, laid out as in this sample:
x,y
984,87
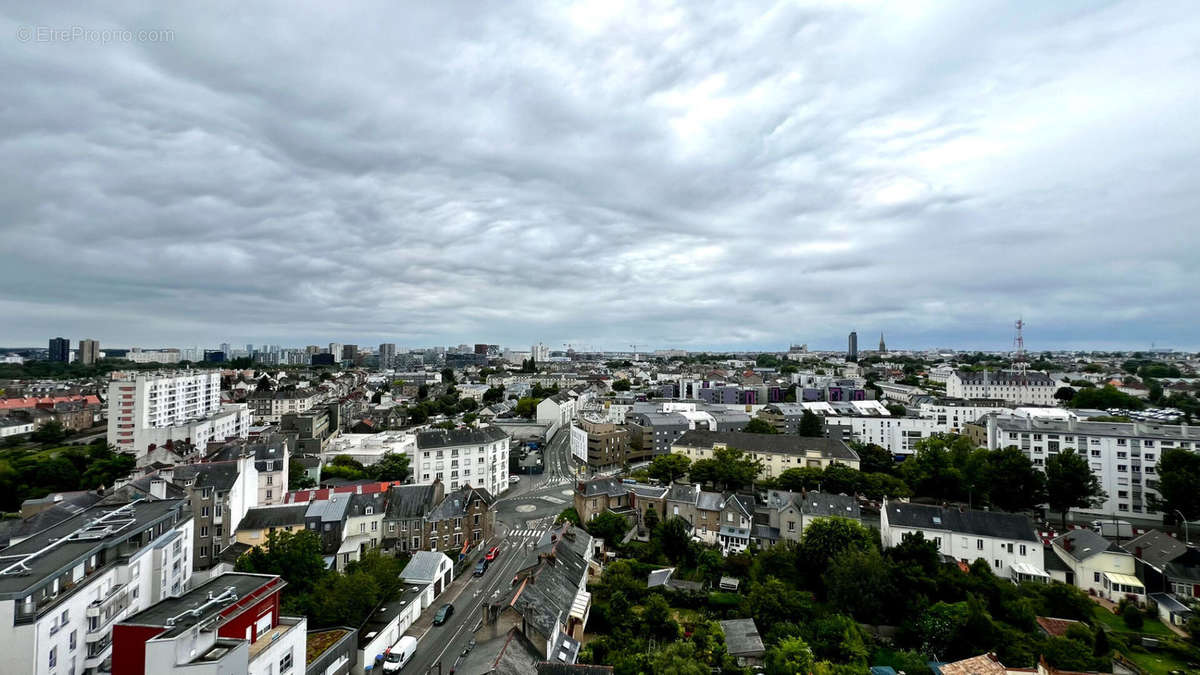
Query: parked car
x,y
481,567
443,614
514,479
492,553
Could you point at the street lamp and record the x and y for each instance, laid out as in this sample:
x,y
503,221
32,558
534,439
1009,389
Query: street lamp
x,y
1186,539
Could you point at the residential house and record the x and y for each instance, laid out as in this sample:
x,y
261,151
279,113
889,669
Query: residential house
x,y
1007,541
259,522
1099,566
458,457
404,515
271,459
785,515
464,518
268,407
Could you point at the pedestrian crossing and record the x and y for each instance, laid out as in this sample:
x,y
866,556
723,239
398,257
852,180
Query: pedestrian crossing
x,y
524,534
561,480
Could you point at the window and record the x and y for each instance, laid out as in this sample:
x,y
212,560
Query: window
x,y
53,656
203,552
997,563
979,544
270,479
285,664
1022,549
1096,577
268,495
203,530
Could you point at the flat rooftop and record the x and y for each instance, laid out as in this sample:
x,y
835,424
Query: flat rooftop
x,y
179,614
25,566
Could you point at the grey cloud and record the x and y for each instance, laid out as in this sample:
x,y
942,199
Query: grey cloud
x,y
699,174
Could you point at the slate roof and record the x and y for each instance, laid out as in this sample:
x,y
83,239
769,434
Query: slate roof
x,y
507,654
659,577
1004,378
980,523
710,501
742,638
423,566
359,503
455,504
1083,544
46,518
263,517
788,444
332,510
445,438
828,504
1052,562
1155,548
682,492
601,486
1186,566
218,475
548,589
409,501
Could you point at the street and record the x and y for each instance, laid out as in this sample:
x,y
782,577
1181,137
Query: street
x,y
523,514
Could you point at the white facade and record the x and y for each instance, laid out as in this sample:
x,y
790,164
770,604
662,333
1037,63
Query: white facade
x,y
1002,554
16,428
556,411
579,439
154,356
370,448
147,409
1123,456
897,435
75,634
540,353
480,465
1037,388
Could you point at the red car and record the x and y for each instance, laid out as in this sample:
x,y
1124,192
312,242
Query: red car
x,y
492,553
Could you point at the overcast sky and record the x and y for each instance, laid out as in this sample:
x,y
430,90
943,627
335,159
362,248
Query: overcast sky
x,y
696,175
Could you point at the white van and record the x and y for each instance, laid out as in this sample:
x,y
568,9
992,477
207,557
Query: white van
x,y
399,654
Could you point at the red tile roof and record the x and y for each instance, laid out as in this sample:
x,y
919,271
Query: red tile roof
x,y
21,403
1055,627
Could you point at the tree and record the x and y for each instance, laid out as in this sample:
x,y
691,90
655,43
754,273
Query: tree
x,y
1104,398
393,466
858,582
422,392
657,621
49,433
569,514
298,478
493,395
839,478
1016,484
729,469
827,537
772,602
608,526
1065,394
621,385
1132,616
811,425
650,517
792,655
527,407
295,556
1178,476
897,410
677,658
669,468
448,376
800,478
873,458
930,471
1070,484
760,426
673,535
264,384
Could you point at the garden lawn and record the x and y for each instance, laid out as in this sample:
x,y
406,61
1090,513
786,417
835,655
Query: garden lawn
x,y
1157,663
1153,627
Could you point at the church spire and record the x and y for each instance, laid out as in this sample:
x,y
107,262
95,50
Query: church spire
x,y
882,345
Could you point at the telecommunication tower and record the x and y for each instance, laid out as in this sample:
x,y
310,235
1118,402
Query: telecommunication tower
x,y
1020,361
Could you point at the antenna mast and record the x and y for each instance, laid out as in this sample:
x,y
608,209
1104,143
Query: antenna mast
x,y
1020,361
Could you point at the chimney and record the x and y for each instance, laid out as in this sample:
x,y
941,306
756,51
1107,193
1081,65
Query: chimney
x,y
158,488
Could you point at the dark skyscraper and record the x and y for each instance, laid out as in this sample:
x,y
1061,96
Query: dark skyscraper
x,y
60,349
852,350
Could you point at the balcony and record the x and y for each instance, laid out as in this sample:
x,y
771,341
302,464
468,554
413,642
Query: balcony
x,y
264,641
102,613
98,652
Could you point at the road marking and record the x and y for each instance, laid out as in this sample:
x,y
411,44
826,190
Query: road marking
x,y
553,500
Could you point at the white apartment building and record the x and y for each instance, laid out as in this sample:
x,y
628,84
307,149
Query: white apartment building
x,y
540,353
556,411
1124,456
1035,388
146,410
1007,541
137,355
897,435
62,589
954,414
476,457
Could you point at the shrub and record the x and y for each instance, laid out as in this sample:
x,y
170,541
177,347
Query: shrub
x,y
1133,617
